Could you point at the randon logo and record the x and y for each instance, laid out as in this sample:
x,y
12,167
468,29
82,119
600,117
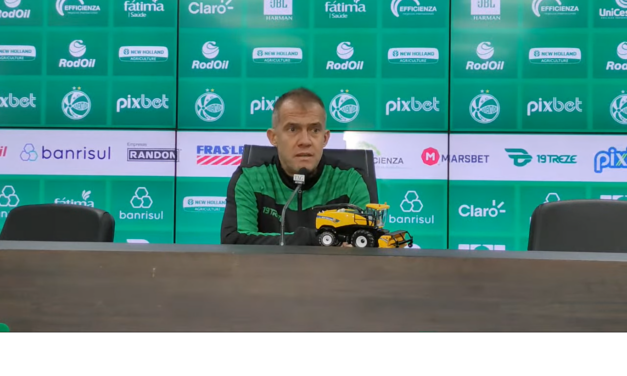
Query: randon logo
x,y
209,106
411,203
141,199
484,108
344,107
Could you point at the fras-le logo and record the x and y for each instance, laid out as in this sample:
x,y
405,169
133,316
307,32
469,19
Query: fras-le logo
x,y
219,155
14,10
210,50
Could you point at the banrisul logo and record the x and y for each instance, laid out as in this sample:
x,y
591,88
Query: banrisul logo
x,y
143,54
611,158
554,105
412,105
141,202
620,65
618,109
345,51
277,55
77,50
142,103
615,13
413,55
485,52
30,154
142,8
561,55
15,101
484,108
77,7
84,200
209,106
210,50
278,10
485,10
204,204
411,207
344,107
210,7
402,8
76,105
554,8
263,104
17,53
14,10
344,8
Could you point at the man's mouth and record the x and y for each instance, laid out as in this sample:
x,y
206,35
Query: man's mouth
x,y
304,155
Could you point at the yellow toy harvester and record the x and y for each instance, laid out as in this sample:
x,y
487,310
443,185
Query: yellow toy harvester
x,y
339,223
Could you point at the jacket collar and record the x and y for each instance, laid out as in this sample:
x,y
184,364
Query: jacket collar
x,y
310,179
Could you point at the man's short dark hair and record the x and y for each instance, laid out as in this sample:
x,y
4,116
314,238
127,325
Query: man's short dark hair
x,y
301,95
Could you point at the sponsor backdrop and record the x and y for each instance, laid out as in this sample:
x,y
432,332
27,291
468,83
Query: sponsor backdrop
x,y
476,110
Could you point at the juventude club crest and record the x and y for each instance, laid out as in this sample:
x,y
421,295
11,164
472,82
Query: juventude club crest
x,y
76,104
618,109
344,107
209,106
484,108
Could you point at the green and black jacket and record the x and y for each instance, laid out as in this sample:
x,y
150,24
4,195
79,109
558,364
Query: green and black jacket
x,y
256,196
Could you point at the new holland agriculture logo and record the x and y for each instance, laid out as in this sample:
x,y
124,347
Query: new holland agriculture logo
x,y
476,211
553,105
555,56
263,104
278,55
141,202
485,10
141,8
413,55
621,51
130,103
219,155
411,105
77,7
209,106
204,204
342,9
8,199
619,13
553,10
77,49
484,108
14,13
278,10
210,51
612,158
345,51
13,101
344,107
401,8
69,201
618,109
143,54
411,206
210,7
76,104
485,52
17,53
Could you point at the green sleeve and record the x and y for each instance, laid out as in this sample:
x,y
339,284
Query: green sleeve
x,y
359,195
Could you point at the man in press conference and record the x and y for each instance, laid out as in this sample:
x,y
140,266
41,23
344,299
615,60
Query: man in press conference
x,y
256,194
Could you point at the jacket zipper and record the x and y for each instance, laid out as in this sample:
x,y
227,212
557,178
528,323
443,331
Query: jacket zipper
x,y
300,200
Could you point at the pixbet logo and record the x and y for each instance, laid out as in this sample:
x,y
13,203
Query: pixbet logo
x,y
411,105
14,13
553,106
553,10
412,205
13,101
84,202
76,104
277,10
621,51
485,51
262,104
484,108
141,202
210,51
141,8
77,49
209,106
8,199
612,158
344,107
76,7
618,109
345,51
142,103
485,10
402,8
214,8
219,155
479,212
341,9
615,13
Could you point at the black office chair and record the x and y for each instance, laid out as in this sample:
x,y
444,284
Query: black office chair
x,y
58,222
361,160
579,226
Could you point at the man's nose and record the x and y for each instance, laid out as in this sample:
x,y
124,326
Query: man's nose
x,y
304,139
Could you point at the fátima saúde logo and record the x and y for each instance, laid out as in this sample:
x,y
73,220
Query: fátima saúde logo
x,y
263,104
76,104
277,55
412,105
344,107
210,50
13,101
278,10
70,201
210,7
613,13
219,155
204,204
209,106
342,9
17,53
8,199
618,109
413,55
141,202
77,7
77,49
411,206
485,51
345,51
142,8
143,54
558,8
559,55
621,51
15,10
612,159
485,10
484,108
402,8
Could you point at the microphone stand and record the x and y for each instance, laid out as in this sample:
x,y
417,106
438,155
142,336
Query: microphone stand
x,y
299,179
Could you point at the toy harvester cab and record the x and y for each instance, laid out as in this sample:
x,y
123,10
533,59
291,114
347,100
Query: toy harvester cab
x,y
339,223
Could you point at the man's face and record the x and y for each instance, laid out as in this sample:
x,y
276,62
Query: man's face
x,y
299,135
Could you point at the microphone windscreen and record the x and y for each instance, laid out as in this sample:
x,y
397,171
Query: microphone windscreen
x,y
303,171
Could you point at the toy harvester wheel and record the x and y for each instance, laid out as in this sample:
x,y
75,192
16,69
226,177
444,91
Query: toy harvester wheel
x,y
327,239
362,239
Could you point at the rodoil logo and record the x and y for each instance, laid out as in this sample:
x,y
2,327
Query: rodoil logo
x,y
553,106
77,49
401,8
210,51
485,51
84,201
612,159
482,212
15,11
17,53
142,103
411,206
613,13
262,104
342,9
141,8
13,101
621,51
618,109
141,202
345,51
210,7
77,7
412,105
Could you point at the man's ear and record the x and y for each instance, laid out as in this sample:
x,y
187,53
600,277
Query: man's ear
x,y
327,136
271,134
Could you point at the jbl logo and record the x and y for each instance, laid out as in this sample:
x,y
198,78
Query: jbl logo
x,y
277,7
485,4
485,7
278,4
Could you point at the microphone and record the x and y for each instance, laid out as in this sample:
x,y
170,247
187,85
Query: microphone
x,y
299,179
